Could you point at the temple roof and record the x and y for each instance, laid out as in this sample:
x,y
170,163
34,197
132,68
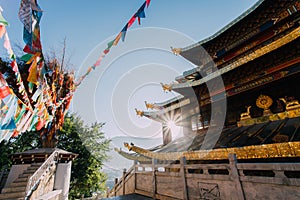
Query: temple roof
x,y
44,151
261,135
225,28
252,22
41,154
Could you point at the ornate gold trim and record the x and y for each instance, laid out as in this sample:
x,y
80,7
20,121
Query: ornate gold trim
x,y
131,157
287,149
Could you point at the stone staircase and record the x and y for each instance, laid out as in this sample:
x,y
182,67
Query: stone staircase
x,y
17,189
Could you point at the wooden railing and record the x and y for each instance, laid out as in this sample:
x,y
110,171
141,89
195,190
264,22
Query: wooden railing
x,y
121,183
35,179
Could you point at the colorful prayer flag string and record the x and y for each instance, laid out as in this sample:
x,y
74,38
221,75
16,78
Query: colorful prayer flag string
x,y
140,13
42,105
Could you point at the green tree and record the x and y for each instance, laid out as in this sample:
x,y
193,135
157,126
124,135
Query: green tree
x,y
91,146
88,142
24,142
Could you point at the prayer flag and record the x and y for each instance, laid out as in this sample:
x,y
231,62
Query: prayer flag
x,y
9,126
99,60
117,39
148,3
7,45
131,21
35,6
25,14
14,66
141,13
124,30
26,57
2,20
2,30
109,45
32,77
106,51
4,91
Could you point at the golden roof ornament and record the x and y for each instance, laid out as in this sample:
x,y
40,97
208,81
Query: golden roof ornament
x,y
246,115
264,102
290,104
127,146
149,105
139,112
166,87
176,51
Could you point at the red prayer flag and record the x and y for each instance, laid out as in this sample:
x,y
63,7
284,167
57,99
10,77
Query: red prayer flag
x,y
148,3
14,66
40,124
2,30
4,91
99,60
131,21
15,134
106,51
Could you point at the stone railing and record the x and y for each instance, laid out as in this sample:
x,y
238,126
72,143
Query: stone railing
x,y
35,179
227,180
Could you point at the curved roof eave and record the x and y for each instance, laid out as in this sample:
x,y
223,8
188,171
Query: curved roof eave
x,y
247,12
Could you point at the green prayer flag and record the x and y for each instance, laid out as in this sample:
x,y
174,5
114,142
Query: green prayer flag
x,y
2,20
26,57
109,45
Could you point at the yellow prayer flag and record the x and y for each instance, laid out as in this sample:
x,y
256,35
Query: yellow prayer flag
x,y
32,77
117,39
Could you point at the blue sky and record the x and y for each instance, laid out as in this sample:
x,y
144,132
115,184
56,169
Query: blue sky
x,y
131,73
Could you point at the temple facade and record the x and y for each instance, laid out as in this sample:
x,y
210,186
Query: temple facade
x,y
240,113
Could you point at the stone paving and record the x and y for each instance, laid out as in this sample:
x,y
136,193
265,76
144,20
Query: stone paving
x,y
129,197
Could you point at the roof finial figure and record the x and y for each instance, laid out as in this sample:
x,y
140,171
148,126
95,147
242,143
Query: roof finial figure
x,y
149,105
166,87
176,51
139,112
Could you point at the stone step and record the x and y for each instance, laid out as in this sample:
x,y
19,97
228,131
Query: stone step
x,y
13,189
36,164
22,179
24,175
13,195
32,168
18,184
29,172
